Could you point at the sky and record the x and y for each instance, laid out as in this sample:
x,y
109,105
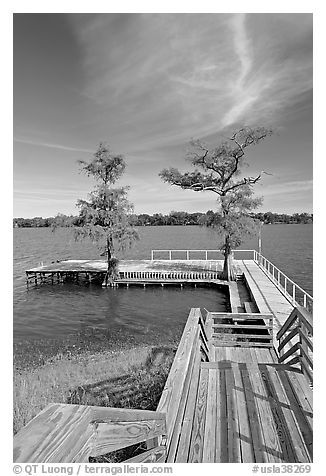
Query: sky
x,y
147,84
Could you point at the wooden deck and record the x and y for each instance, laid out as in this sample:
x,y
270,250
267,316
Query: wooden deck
x,y
238,404
247,409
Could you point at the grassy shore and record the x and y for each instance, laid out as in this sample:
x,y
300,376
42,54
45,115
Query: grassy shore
x,y
131,377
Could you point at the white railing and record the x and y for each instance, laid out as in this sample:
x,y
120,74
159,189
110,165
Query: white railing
x,y
149,276
188,253
289,288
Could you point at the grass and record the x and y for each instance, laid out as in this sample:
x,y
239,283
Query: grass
x,y
131,378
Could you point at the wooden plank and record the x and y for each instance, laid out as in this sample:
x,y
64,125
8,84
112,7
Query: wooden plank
x,y
187,423
249,307
241,315
241,326
301,390
306,339
305,356
264,355
111,414
209,446
288,353
299,425
253,354
209,330
221,454
235,301
220,353
244,336
253,417
288,323
197,437
174,385
154,455
116,435
287,338
178,406
229,343
284,422
245,438
60,433
234,451
272,447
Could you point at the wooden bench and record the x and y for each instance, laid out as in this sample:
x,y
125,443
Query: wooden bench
x,y
64,433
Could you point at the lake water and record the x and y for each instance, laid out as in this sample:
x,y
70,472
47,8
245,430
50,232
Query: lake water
x,y
62,312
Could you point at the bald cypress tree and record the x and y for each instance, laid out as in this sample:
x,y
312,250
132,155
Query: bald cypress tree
x,y
218,170
105,217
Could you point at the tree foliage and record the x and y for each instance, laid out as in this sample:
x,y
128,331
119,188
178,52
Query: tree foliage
x,y
105,216
218,170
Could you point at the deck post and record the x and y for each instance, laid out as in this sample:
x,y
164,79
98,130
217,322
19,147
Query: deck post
x,y
152,255
293,293
206,254
170,255
187,255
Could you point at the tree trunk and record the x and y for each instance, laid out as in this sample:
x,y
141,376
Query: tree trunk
x,y
228,273
108,275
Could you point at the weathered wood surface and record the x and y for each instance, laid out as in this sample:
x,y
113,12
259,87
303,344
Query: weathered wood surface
x,y
182,378
130,266
266,295
64,433
249,412
295,341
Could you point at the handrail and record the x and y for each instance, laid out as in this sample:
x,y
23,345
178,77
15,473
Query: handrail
x,y
295,341
298,297
153,276
195,251
192,349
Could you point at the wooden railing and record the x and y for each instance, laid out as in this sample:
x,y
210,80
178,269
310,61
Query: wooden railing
x,y
168,275
295,341
289,288
241,329
182,381
64,433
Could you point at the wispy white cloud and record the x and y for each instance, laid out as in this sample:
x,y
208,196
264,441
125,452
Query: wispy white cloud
x,y
162,79
51,146
291,187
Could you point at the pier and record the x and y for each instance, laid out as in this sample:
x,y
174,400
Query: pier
x,y
239,389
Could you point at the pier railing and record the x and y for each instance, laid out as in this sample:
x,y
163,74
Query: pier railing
x,y
162,276
189,254
295,341
289,288
286,285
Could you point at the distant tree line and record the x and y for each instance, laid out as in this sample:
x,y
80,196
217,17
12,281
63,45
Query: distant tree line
x,y
158,219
